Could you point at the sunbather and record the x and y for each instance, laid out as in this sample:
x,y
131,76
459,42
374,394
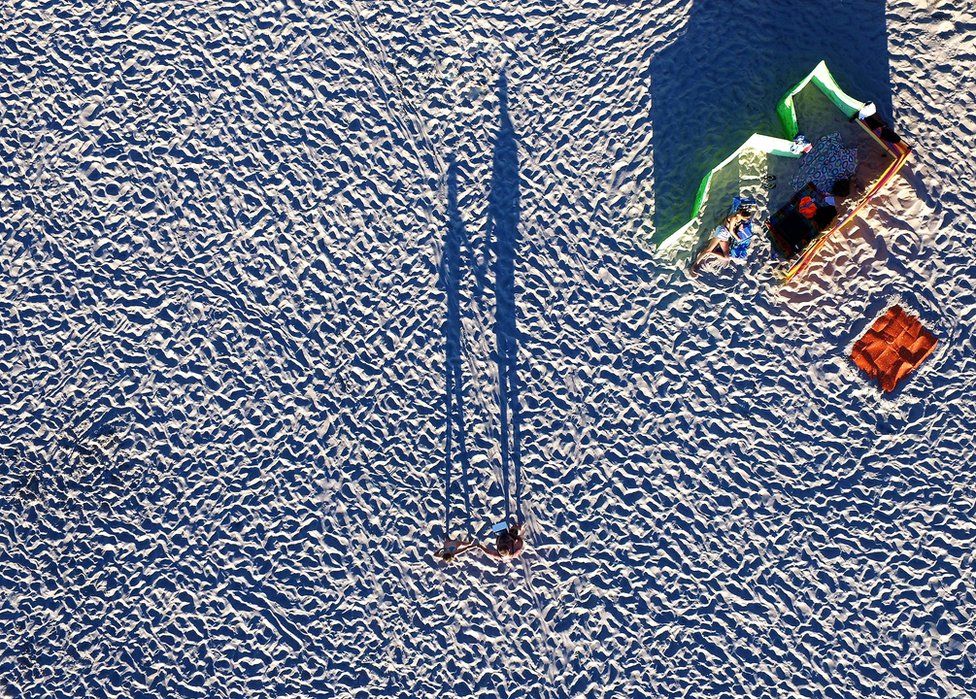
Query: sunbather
x,y
730,239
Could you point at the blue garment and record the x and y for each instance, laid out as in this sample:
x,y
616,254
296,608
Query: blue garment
x,y
739,202
740,248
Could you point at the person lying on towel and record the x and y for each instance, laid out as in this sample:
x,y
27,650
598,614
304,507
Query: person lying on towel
x,y
730,239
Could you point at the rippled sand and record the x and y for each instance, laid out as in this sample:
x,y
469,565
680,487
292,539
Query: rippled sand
x,y
234,277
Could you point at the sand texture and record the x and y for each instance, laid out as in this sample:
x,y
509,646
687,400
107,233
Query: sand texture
x,y
290,291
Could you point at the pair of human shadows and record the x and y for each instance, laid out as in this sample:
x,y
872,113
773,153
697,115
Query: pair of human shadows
x,y
501,248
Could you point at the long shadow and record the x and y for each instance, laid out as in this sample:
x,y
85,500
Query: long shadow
x,y
720,80
450,275
502,231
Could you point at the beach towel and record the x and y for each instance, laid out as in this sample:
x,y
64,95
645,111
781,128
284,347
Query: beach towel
x,y
828,162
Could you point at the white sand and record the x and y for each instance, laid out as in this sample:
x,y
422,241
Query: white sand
x,y
222,354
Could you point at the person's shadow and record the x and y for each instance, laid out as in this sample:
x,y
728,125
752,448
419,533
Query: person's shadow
x,y
450,278
502,239
720,80
501,253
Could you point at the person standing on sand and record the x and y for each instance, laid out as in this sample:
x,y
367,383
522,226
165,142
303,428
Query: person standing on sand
x,y
453,548
508,545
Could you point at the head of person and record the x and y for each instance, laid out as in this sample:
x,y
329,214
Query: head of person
x,y
737,219
746,212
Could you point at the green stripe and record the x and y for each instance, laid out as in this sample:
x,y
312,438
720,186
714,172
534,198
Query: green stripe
x,y
786,110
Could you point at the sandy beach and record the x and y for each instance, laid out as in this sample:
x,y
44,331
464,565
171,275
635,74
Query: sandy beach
x,y
289,293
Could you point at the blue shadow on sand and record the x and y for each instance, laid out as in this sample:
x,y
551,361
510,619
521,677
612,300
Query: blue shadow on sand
x,y
450,276
720,80
502,238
